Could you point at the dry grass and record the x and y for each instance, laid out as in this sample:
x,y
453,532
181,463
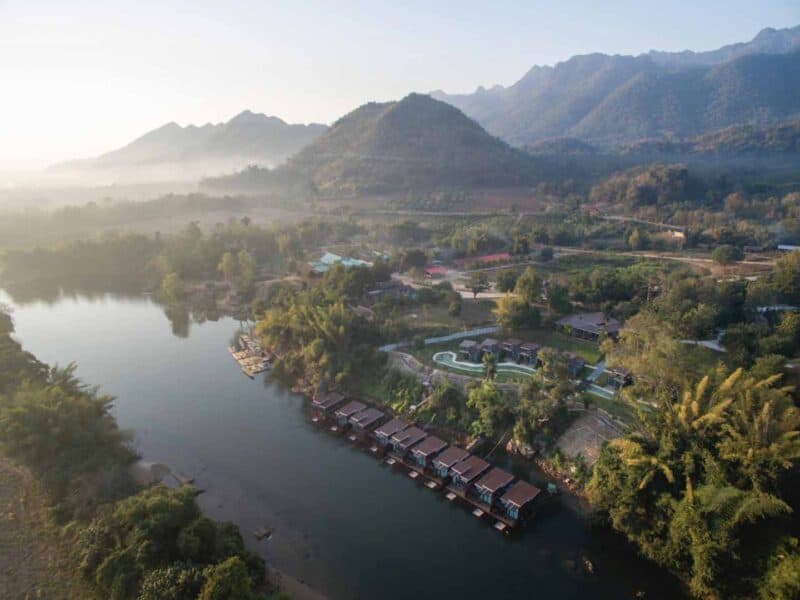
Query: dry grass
x,y
35,561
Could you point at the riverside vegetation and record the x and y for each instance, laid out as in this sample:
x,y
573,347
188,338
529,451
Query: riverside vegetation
x,y
125,540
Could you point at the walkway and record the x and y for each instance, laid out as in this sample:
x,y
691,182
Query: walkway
x,y
449,359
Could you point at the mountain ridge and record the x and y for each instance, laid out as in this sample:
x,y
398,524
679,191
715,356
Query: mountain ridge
x,y
609,99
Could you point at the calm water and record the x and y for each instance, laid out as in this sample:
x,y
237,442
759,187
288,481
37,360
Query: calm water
x,y
343,522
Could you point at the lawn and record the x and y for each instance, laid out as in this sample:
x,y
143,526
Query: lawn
x,y
588,351
434,319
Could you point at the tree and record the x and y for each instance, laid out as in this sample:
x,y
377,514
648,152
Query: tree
x,y
786,277
246,269
506,280
172,288
546,254
558,299
454,304
512,313
489,366
413,259
727,254
478,282
228,580
529,285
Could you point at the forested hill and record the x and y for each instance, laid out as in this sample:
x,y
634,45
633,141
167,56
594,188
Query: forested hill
x,y
616,99
414,143
246,138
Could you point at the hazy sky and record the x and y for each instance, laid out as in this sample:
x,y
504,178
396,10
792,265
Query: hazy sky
x,y
80,78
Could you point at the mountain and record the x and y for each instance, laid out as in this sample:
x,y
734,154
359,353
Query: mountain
x,y
247,138
768,41
609,100
415,143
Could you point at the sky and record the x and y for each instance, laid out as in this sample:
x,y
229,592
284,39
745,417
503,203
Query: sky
x,y
80,78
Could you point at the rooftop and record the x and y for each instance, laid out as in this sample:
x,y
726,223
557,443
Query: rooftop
x,y
470,468
430,446
520,494
392,427
327,400
366,417
512,342
450,457
488,342
494,480
409,436
595,322
468,344
351,408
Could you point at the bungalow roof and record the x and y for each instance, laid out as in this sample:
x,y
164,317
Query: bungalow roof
x,y
350,409
494,480
409,437
595,323
520,494
327,400
392,427
470,468
365,418
429,446
451,456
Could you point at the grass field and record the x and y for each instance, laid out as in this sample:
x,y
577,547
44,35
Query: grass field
x,y
435,320
35,561
588,351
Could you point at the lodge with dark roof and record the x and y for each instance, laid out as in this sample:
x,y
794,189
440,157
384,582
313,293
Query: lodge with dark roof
x,y
490,485
589,326
424,452
462,474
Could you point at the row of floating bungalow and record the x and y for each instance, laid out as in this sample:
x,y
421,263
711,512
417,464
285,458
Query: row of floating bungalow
x,y
489,490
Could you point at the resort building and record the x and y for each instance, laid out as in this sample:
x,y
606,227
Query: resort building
x,y
490,346
387,430
424,452
448,458
574,363
529,353
589,326
467,471
510,348
348,410
329,259
518,499
365,419
403,440
326,401
470,350
492,484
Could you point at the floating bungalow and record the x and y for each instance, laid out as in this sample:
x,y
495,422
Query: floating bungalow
x,y
442,463
326,401
470,350
589,326
403,440
510,348
424,452
348,410
384,433
365,419
492,484
519,499
464,473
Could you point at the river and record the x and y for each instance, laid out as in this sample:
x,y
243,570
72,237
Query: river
x,y
343,522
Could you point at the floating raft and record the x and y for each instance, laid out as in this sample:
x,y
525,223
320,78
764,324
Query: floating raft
x,y
252,359
413,474
451,496
478,513
500,526
431,485
390,461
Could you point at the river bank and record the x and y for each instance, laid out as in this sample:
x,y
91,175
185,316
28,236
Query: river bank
x,y
342,522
